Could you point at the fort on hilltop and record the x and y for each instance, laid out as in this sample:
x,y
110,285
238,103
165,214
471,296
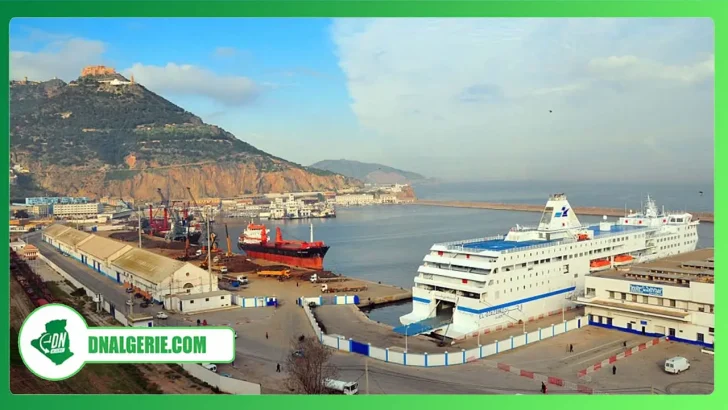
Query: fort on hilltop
x,y
94,70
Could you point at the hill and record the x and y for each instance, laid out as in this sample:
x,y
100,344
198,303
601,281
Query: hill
x,y
104,134
367,172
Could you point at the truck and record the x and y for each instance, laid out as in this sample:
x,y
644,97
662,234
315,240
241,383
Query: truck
x,y
283,273
216,268
316,279
236,280
338,386
342,289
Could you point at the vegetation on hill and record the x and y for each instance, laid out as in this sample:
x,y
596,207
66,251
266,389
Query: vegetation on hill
x,y
125,131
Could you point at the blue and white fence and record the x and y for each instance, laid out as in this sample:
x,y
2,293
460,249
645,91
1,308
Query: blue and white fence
x,y
330,300
437,359
254,302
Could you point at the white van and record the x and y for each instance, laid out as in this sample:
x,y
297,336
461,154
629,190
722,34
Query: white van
x,y
210,367
676,365
347,388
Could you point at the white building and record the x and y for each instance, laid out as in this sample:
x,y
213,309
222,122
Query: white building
x,y
673,297
158,277
354,199
154,276
78,211
201,302
17,245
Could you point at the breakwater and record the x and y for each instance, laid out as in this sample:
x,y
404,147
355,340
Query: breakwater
x,y
594,211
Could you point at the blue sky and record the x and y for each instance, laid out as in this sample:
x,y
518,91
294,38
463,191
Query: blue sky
x,y
451,98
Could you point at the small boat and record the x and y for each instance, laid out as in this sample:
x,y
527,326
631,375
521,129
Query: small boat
x,y
599,265
621,260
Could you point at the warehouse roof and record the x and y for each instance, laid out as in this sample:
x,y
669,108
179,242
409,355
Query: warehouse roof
x,y
72,237
102,248
148,265
54,230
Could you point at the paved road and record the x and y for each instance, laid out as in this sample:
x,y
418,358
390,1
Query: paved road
x,y
113,292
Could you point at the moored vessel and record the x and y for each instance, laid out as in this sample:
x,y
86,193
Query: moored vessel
x,y
254,241
466,286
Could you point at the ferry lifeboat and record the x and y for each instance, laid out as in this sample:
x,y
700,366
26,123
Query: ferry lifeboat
x,y
599,265
621,260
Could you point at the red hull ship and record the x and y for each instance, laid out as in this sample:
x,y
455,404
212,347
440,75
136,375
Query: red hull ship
x,y
254,242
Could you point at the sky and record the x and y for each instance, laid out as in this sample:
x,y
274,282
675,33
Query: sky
x,y
455,99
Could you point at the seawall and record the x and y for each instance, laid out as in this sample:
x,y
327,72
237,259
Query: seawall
x,y
594,211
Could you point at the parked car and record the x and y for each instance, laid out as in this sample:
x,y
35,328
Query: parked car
x,y
210,367
144,304
162,315
298,353
226,375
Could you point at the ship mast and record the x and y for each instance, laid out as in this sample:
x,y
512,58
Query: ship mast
x,y
311,233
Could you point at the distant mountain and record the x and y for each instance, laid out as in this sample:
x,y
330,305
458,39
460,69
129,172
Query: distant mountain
x,y
367,172
106,135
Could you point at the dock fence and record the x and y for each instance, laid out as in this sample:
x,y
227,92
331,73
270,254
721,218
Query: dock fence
x,y
453,358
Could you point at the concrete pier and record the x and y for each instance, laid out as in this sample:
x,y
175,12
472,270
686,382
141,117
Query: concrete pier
x,y
593,211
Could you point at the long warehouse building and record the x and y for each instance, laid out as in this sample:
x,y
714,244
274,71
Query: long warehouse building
x,y
154,276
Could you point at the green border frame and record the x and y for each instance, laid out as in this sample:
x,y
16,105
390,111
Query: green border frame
x,y
717,10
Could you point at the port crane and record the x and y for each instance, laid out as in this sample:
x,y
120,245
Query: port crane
x,y
208,238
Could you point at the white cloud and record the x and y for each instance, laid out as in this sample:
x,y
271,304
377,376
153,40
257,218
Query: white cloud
x,y
186,80
533,97
63,58
633,68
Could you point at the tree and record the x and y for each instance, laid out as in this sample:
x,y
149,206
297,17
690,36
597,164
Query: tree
x,y
308,366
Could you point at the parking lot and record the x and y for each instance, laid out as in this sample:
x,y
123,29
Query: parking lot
x,y
641,373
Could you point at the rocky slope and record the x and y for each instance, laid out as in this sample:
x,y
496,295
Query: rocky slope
x,y
105,135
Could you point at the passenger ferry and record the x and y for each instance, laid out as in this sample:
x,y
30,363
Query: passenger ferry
x,y
467,286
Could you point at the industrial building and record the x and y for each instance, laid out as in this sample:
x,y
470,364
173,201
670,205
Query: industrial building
x,y
55,200
673,297
78,211
154,276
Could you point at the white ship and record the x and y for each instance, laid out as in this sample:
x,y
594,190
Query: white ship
x,y
471,285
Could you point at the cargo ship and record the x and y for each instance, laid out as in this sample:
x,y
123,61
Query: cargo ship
x,y
255,243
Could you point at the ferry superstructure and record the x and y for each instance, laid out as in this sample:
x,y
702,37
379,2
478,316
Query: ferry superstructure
x,y
465,286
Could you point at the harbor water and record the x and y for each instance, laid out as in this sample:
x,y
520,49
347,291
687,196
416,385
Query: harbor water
x,y
388,242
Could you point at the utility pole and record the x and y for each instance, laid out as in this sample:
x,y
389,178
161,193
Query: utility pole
x,y
209,250
366,373
406,333
140,227
131,298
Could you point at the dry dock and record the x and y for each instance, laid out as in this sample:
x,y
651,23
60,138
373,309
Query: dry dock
x,y
594,211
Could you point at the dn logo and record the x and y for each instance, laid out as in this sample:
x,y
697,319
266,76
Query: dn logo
x,y
564,212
